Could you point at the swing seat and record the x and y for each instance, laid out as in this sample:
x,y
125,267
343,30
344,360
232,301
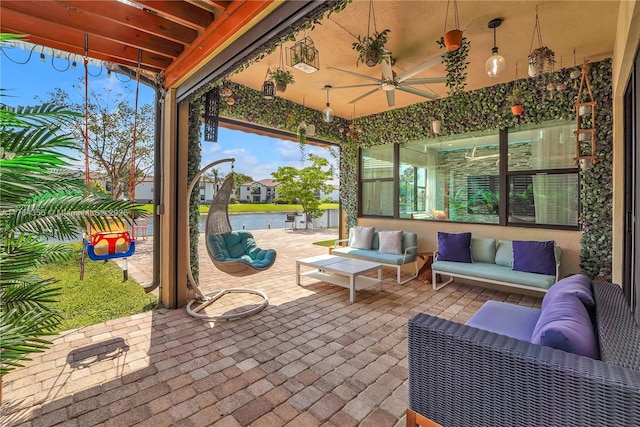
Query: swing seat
x,y
109,245
236,253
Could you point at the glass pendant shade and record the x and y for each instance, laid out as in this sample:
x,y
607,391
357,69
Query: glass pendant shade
x,y
327,114
495,64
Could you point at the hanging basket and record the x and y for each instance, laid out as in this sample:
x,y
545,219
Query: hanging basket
x,y
541,60
517,110
281,86
372,57
453,39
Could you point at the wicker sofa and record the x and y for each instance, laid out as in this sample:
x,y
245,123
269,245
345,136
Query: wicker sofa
x,y
460,375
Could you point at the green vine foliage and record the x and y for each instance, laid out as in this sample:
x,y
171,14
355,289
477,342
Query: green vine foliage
x,y
279,113
193,166
456,66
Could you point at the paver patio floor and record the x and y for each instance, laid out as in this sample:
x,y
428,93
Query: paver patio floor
x,y
311,358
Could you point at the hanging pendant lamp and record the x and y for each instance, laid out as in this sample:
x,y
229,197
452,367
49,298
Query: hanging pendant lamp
x,y
494,66
327,113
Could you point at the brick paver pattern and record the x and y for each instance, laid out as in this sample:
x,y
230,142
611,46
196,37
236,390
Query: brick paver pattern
x,y
311,358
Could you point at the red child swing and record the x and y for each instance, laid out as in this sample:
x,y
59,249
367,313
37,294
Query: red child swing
x,y
115,240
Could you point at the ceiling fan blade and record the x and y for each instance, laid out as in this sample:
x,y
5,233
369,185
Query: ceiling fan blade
x,y
425,81
391,97
419,68
418,92
354,74
365,95
352,86
387,72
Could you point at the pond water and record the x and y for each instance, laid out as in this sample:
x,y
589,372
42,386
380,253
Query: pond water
x,y
261,221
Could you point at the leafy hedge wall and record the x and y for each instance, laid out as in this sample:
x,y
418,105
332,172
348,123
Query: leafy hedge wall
x,y
193,167
481,109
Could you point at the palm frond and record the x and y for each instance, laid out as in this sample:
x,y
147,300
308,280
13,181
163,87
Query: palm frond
x,y
65,216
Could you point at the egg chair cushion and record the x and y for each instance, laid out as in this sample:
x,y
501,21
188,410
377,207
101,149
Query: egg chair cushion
x,y
239,246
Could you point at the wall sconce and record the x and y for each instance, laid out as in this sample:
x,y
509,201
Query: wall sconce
x,y
436,126
495,64
327,113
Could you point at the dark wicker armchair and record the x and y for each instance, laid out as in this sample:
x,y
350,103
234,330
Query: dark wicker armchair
x,y
463,376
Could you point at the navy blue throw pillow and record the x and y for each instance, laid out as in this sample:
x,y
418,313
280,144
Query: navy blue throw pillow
x,y
534,257
454,247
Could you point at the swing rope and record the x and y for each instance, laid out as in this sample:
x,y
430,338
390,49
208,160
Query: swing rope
x,y
132,173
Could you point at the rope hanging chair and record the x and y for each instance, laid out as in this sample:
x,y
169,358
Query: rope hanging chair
x,y
232,252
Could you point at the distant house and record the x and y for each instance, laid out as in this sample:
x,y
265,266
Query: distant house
x,y
263,191
144,189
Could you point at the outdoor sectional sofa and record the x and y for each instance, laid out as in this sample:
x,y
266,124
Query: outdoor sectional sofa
x,y
465,375
522,264
390,248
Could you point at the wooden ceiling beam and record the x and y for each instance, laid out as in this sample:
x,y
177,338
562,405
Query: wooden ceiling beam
x,y
239,14
218,4
133,17
181,12
58,37
79,20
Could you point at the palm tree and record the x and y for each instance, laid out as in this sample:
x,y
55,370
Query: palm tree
x,y
40,199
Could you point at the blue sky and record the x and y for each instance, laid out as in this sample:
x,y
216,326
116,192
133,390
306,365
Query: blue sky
x,y
256,155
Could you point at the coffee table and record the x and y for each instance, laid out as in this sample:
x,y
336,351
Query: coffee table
x,y
341,271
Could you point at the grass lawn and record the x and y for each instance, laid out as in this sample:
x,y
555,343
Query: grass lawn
x,y
327,243
101,296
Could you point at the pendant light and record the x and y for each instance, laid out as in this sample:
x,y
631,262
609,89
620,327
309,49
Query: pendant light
x,y
495,64
327,113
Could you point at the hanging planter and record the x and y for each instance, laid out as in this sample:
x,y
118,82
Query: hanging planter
x,y
371,48
516,98
452,38
281,78
542,59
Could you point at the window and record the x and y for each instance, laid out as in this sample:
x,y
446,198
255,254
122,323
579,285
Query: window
x,y
543,182
450,178
376,176
459,178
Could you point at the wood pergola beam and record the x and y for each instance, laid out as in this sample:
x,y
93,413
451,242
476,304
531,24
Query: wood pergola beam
x,y
138,19
78,20
181,12
239,14
42,32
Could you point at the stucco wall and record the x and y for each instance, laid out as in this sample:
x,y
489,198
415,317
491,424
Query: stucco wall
x,y
427,236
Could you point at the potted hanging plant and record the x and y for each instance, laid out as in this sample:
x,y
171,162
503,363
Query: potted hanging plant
x,y
455,62
371,48
516,98
281,77
453,38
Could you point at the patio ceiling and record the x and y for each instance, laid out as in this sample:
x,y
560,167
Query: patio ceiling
x,y
170,37
587,26
177,38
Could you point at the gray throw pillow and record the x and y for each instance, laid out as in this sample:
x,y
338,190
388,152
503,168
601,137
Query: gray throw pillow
x,y
390,242
361,237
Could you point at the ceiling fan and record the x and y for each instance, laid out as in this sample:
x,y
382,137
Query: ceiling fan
x,y
390,81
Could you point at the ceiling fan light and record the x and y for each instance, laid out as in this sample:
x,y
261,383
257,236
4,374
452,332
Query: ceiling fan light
x,y
495,64
327,114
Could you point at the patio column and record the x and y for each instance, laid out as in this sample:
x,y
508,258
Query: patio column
x,y
173,236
